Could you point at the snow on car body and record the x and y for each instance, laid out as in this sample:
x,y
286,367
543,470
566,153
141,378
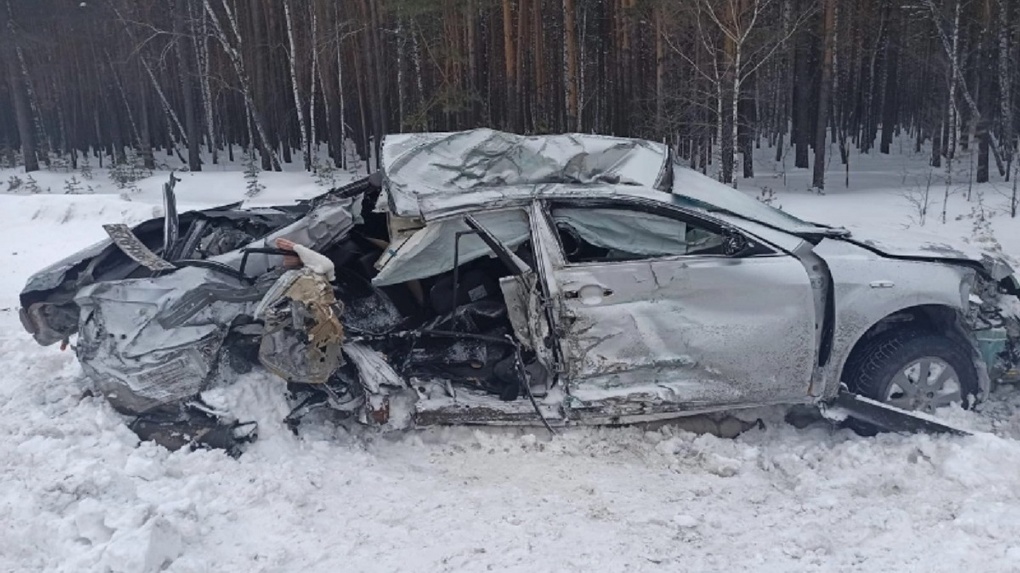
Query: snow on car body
x,y
493,278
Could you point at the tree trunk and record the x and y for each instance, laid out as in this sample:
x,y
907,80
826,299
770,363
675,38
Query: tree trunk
x,y
784,97
731,94
538,65
889,106
313,142
1005,80
145,138
828,32
660,71
802,105
201,47
376,63
954,78
401,79
232,48
342,150
570,64
22,112
295,90
419,82
985,70
471,25
185,71
747,136
520,94
510,65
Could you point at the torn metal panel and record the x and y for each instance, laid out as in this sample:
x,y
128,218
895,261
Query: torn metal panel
x,y
322,227
154,341
376,371
518,293
131,246
303,335
53,275
139,363
171,223
440,405
528,318
648,404
885,416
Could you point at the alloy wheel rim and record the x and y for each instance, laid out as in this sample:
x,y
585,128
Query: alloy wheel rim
x,y
925,384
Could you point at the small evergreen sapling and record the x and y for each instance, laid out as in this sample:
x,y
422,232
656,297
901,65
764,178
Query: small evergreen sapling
x,y
72,186
251,175
31,185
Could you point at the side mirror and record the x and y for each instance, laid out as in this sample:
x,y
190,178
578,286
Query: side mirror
x,y
735,244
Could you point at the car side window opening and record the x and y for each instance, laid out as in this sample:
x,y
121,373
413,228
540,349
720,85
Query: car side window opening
x,y
604,234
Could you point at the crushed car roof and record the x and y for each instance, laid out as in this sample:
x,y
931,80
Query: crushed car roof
x,y
422,170
431,175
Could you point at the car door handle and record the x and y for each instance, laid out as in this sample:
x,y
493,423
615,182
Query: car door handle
x,y
589,293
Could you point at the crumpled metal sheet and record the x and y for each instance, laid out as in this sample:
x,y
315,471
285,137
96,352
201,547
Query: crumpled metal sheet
x,y
303,334
151,342
390,402
325,225
995,263
51,276
373,366
432,165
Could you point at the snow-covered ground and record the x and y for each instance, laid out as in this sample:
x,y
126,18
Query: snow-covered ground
x,y
79,493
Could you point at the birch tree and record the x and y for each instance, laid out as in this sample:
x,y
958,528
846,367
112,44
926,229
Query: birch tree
x,y
200,38
739,58
295,90
231,44
948,30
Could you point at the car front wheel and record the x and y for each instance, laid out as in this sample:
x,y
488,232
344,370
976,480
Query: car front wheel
x,y
914,370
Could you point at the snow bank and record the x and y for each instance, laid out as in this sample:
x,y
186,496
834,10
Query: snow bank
x,y
80,494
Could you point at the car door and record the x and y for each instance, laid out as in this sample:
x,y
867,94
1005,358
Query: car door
x,y
651,307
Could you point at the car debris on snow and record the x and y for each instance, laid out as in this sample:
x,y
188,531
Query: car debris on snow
x,y
487,278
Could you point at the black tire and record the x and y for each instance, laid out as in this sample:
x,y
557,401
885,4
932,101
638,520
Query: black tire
x,y
874,364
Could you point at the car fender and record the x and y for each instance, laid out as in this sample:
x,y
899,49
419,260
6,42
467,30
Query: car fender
x,y
870,288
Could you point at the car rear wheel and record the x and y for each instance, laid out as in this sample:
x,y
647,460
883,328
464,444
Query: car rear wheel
x,y
913,370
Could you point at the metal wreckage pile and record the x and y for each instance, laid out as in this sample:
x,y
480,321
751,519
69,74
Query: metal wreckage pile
x,y
338,340
473,275
156,330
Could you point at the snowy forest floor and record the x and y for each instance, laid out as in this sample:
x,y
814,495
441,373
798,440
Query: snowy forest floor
x,y
79,493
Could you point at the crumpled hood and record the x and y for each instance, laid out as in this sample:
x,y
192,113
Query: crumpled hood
x,y
929,246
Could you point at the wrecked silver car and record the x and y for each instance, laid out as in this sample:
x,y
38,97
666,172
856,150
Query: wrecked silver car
x,y
488,278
